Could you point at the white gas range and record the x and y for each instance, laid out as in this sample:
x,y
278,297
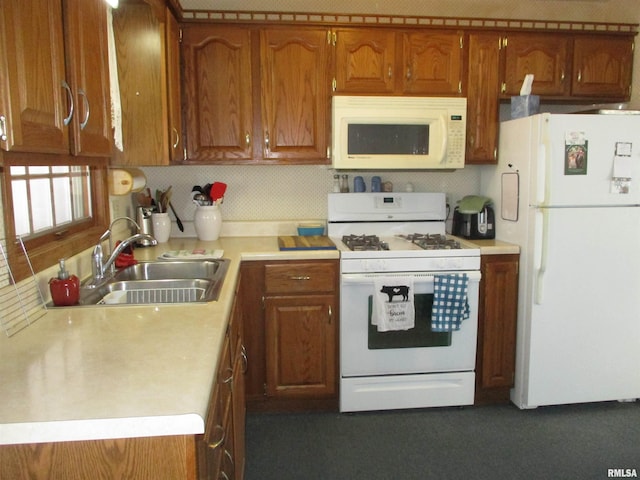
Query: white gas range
x,y
391,244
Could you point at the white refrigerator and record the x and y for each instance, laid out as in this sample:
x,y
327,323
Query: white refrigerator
x,y
567,190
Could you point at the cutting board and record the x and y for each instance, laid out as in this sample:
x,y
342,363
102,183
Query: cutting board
x,y
316,242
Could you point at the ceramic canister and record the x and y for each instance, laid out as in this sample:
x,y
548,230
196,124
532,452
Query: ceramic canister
x,y
208,221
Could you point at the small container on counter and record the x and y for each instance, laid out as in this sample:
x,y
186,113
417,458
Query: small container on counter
x,y
344,184
376,184
65,289
358,184
208,222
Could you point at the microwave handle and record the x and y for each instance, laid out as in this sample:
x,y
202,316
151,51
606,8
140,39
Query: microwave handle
x,y
443,121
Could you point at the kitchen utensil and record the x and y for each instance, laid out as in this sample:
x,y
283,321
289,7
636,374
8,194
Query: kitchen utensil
x,y
218,190
178,221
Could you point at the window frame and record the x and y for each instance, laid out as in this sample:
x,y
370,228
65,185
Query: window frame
x,y
46,249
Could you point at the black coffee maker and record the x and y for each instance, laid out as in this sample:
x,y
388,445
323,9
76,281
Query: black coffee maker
x,y
474,218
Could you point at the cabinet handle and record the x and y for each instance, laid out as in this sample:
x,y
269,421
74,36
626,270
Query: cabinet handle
x,y
245,359
503,87
389,72
227,454
85,101
177,142
3,128
562,76
67,119
247,139
300,278
229,379
459,86
266,140
217,443
579,76
330,314
408,72
224,476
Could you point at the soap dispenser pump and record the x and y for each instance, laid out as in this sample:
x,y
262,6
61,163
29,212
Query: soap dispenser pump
x,y
65,290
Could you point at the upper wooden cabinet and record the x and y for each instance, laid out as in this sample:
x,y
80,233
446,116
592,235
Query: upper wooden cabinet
x,y
256,95
146,39
567,66
602,67
545,56
55,82
382,61
218,93
483,103
365,61
295,94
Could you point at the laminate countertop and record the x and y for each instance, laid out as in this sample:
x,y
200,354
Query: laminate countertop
x,y
86,373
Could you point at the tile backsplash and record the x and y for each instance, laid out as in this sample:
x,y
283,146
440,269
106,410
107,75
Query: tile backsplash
x,y
290,192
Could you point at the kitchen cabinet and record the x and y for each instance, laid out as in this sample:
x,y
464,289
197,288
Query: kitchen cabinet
x,y
218,93
294,67
146,39
384,61
497,316
256,95
545,56
483,102
55,80
290,316
602,67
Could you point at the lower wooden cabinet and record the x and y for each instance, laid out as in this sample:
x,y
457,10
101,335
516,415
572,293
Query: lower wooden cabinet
x,y
497,316
291,319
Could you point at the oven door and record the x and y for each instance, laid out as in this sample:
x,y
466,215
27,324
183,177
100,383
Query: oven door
x,y
364,351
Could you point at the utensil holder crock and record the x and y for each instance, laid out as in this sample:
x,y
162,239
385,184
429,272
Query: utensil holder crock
x,y
208,222
161,226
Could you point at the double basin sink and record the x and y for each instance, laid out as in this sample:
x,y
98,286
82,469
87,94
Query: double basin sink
x,y
156,282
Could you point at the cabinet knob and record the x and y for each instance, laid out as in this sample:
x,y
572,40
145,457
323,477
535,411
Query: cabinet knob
x,y
579,76
389,72
247,139
177,141
408,72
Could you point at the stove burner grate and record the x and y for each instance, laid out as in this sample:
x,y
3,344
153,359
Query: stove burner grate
x,y
364,242
432,241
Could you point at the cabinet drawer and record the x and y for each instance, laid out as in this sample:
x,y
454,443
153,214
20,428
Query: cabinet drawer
x,y
300,277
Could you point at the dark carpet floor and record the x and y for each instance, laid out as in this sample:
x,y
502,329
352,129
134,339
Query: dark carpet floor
x,y
580,442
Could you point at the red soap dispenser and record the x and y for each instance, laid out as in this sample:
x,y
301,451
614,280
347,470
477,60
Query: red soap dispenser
x,y
65,290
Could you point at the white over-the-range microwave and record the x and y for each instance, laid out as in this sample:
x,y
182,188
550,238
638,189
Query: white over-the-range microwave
x,y
395,133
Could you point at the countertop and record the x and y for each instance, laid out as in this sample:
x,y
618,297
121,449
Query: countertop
x,y
85,373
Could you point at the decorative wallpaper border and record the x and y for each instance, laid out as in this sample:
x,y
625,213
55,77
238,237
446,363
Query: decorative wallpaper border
x,y
405,21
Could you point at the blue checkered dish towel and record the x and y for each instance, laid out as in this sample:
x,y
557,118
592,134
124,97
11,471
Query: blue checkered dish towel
x,y
450,305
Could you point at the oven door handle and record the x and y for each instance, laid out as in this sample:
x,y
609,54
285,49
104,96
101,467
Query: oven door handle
x,y
367,278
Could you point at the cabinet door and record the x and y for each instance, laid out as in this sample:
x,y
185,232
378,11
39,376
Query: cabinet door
x,y
218,84
295,94
36,97
543,55
482,98
176,144
602,67
497,320
88,74
365,61
432,63
300,345
139,31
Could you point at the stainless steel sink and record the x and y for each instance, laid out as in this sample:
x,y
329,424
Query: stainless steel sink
x,y
188,281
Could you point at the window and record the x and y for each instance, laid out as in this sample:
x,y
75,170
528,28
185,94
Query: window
x,y
49,197
58,210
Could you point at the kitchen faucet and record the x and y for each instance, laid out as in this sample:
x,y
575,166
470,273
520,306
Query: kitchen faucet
x,y
98,269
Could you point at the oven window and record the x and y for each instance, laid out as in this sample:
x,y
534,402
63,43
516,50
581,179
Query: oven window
x,y
419,336
380,139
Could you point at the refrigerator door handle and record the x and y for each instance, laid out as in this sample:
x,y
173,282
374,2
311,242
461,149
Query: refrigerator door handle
x,y
541,251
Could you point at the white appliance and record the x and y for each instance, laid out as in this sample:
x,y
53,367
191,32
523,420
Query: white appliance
x,y
567,190
400,236
398,132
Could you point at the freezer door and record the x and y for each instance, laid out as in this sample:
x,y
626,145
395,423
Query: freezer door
x,y
582,160
579,317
